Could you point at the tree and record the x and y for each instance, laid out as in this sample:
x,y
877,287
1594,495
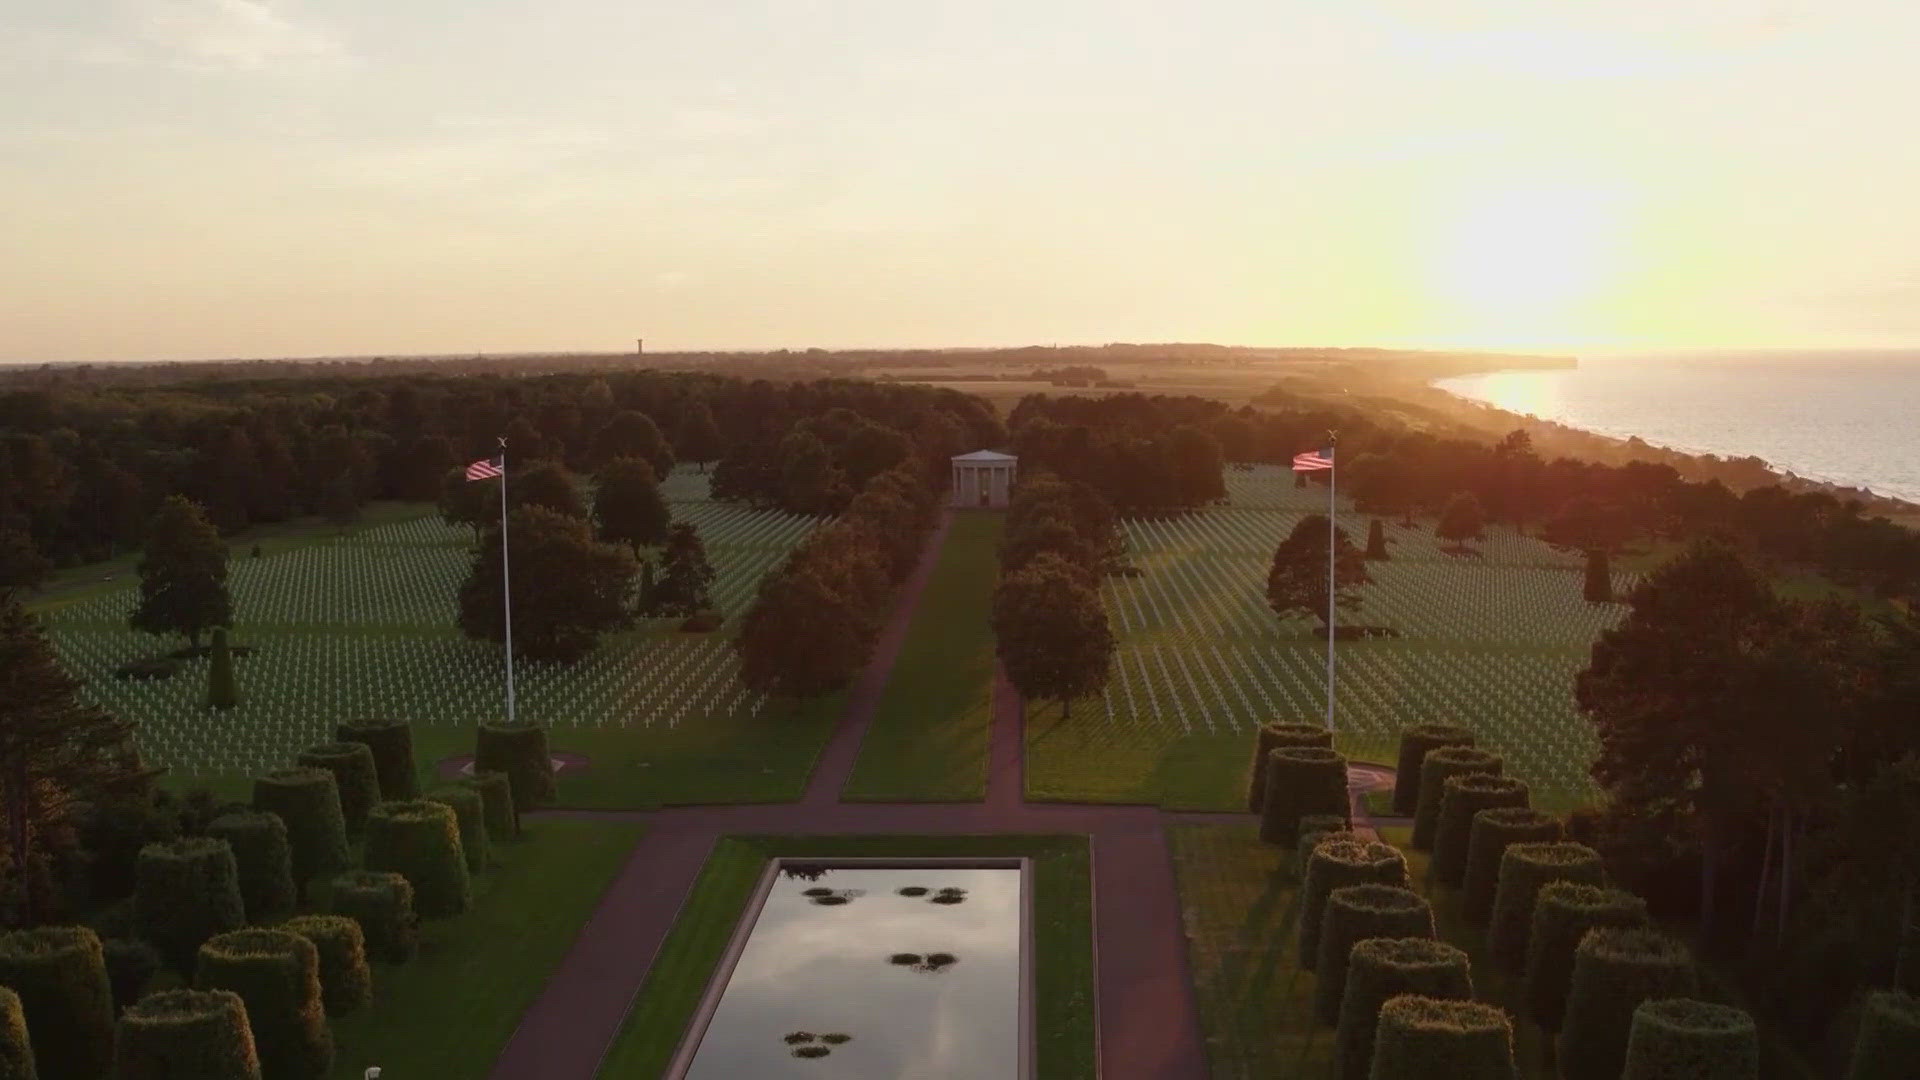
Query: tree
x,y
633,434
55,753
696,437
221,691
427,460
810,483
1599,584
1376,540
183,578
545,484
1297,581
473,503
802,637
1197,463
685,575
1051,632
627,506
567,588
22,567
1462,520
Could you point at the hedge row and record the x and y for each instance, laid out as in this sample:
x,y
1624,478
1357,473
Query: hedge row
x,y
496,803
1435,768
1525,869
1379,969
60,975
1313,829
391,743
186,1035
1562,914
520,751
1494,831
382,904
186,891
277,975
1614,971
1272,737
1416,743
420,841
1424,1038
1336,864
471,816
263,858
308,802
1354,914
1301,781
354,777
1683,1039
346,982
1461,798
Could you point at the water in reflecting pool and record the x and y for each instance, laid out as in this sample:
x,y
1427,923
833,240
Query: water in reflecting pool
x,y
874,974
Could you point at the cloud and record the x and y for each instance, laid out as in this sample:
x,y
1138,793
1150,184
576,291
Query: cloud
x,y
232,35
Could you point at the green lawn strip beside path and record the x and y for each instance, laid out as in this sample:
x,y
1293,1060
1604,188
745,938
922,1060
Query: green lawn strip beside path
x,y
1065,1035
450,1010
928,740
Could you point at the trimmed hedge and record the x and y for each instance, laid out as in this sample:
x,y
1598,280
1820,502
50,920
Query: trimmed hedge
x,y
308,802
1416,743
1613,972
1562,914
1313,829
1272,737
131,965
1425,1038
1336,864
1889,1039
186,891
520,751
186,1035
1684,1039
1301,781
391,742
496,803
382,903
263,859
1493,832
354,777
60,974
277,974
1435,768
1379,969
467,810
346,982
1461,797
1354,914
16,1053
1525,869
420,841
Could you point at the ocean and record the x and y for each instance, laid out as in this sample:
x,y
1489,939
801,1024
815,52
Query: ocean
x,y
1849,418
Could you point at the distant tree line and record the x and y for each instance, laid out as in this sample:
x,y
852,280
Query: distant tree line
x,y
1142,453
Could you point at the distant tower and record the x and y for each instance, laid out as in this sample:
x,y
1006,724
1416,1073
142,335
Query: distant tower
x,y
639,345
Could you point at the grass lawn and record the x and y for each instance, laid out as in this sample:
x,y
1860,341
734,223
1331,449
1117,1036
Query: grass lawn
x,y
929,736
449,1011
1063,941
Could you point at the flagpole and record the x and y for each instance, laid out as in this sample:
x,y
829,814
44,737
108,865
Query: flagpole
x,y
1332,550
506,578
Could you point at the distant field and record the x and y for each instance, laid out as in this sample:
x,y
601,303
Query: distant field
x,y
363,625
1492,642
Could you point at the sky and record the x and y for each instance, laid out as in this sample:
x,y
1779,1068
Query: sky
x,y
213,178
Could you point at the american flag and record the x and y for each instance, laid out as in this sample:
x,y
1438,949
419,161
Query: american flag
x,y
484,469
1311,461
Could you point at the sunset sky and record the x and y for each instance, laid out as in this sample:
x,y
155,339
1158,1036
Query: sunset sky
x,y
203,178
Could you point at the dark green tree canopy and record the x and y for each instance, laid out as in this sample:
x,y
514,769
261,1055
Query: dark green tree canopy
x,y
568,588
685,575
545,484
183,577
802,637
1462,520
1297,580
627,505
1051,631
696,437
632,433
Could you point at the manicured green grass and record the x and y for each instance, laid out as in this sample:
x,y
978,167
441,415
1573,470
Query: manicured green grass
x,y
928,741
1065,1035
450,1010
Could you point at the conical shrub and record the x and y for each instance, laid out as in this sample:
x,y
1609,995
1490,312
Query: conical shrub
x,y
1272,737
277,975
468,810
1354,914
1416,743
354,777
186,891
496,804
61,977
186,1035
520,751
1379,969
16,1053
1614,971
1684,1039
1493,832
131,966
346,982
1337,864
391,742
1525,869
420,841
1301,780
1562,914
1462,797
382,903
1435,768
1423,1038
308,802
1889,1039
262,858
1313,829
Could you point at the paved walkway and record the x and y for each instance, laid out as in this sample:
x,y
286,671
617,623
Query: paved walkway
x,y
1149,1027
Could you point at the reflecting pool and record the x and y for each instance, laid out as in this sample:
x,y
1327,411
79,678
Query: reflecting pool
x,y
869,973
